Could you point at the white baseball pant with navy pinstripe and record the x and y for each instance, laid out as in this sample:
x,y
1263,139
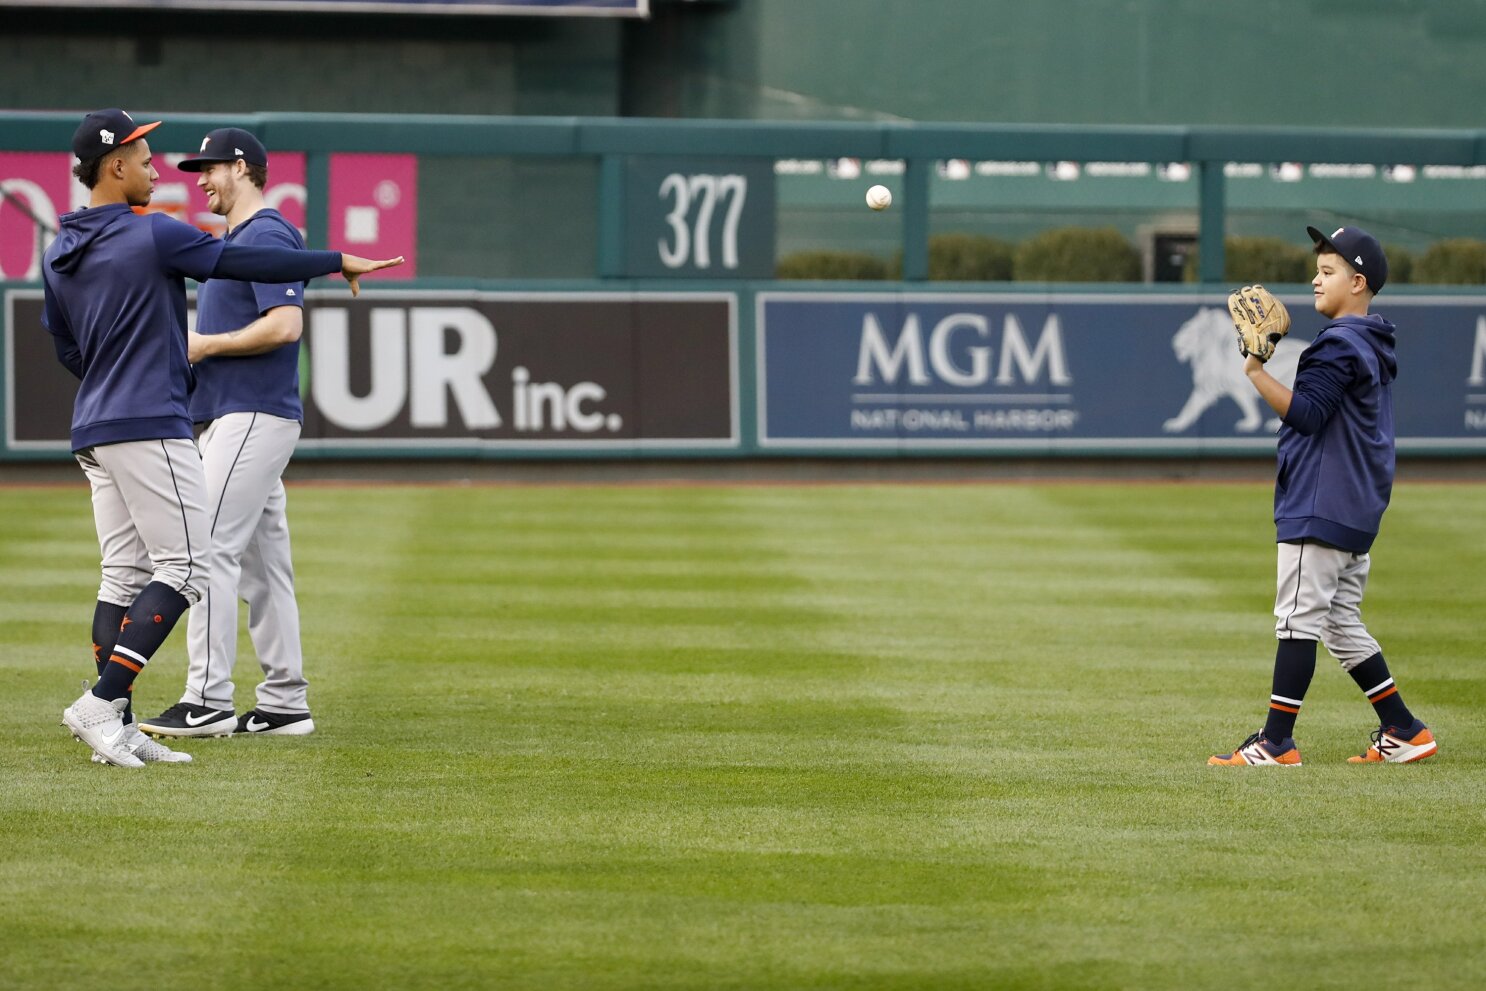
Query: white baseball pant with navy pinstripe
x,y
1319,597
245,454
149,506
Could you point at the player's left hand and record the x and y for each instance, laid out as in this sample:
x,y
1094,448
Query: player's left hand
x,y
1262,321
354,266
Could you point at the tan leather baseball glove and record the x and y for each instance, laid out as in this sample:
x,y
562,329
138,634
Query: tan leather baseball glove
x,y
1262,321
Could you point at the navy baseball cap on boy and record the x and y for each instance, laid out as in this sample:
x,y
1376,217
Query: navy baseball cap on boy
x,y
106,130
226,144
1361,250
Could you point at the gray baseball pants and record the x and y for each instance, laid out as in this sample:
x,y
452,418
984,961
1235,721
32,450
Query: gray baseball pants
x,y
149,506
1319,597
244,455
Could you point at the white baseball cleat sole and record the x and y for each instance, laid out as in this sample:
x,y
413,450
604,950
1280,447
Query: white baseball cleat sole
x,y
100,725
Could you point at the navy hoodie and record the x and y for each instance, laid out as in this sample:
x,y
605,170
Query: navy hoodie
x,y
1336,442
116,308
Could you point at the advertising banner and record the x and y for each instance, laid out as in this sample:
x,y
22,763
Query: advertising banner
x,y
1075,372
374,210
399,371
35,189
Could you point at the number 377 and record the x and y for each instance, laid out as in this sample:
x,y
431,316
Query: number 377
x,y
690,241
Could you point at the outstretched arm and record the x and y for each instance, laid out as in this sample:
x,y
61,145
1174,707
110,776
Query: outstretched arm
x,y
266,264
186,251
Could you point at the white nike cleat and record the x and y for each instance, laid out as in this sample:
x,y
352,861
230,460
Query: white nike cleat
x,y
148,750
100,725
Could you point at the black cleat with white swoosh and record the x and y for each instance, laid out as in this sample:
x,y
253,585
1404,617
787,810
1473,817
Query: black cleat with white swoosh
x,y
187,719
257,722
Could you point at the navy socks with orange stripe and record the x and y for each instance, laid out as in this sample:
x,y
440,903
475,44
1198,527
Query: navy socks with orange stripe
x,y
144,628
1294,665
107,618
1377,684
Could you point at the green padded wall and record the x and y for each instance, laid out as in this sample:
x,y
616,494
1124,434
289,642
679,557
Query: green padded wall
x,y
225,62
1370,63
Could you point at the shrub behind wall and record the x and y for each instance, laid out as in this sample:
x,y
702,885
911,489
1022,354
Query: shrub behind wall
x,y
1077,254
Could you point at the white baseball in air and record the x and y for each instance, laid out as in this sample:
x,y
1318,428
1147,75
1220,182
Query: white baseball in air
x,y
879,197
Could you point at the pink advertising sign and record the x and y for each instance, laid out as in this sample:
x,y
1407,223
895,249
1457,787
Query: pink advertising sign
x,y
33,184
373,204
374,209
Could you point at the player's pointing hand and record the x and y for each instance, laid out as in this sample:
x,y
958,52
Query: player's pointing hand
x,y
353,267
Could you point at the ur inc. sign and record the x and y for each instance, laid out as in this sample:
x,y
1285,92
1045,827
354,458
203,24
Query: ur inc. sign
x,y
394,371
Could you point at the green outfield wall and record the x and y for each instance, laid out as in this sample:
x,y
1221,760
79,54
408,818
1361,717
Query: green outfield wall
x,y
660,332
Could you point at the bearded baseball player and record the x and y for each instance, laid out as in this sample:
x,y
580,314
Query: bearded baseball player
x,y
1335,477
115,305
245,353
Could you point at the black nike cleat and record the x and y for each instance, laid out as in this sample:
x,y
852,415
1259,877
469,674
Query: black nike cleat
x,y
188,719
257,722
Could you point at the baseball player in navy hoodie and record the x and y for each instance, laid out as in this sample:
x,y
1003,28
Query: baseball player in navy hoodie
x,y
115,304
1333,483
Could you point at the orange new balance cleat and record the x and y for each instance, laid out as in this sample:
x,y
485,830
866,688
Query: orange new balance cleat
x,y
1391,745
1256,751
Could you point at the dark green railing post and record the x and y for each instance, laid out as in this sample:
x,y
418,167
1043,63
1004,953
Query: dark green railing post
x,y
317,219
611,217
1211,210
916,219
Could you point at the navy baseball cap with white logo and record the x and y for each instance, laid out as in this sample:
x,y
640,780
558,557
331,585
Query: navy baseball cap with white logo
x,y
1361,250
226,144
106,130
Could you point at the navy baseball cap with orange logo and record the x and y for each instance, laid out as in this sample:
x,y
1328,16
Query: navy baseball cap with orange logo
x,y
226,144
106,130
1361,250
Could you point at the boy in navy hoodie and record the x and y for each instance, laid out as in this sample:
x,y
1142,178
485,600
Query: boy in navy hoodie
x,y
1334,480
115,305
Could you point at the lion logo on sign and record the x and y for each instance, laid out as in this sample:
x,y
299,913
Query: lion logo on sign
x,y
1206,342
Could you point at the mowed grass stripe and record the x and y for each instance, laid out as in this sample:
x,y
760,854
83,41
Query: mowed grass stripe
x,y
766,736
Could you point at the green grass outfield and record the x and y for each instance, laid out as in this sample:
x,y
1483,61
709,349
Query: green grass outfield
x,y
718,737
